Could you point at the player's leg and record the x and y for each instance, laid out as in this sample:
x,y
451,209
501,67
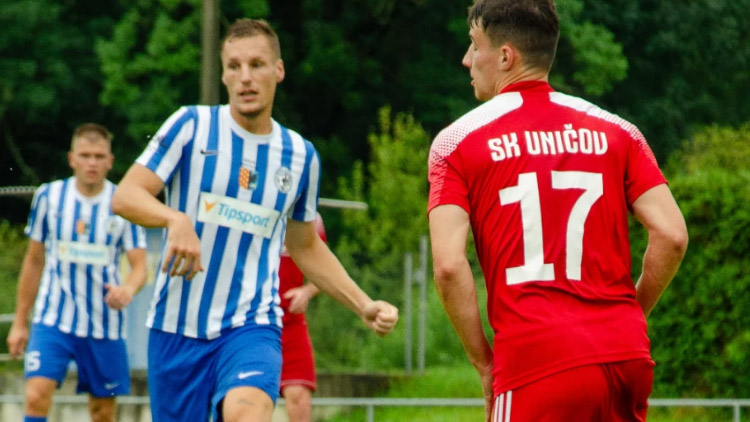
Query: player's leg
x,y
102,409
38,400
248,369
297,370
181,376
247,404
298,402
103,373
46,363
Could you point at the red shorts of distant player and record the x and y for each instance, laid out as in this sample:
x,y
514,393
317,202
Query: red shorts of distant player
x,y
608,392
298,362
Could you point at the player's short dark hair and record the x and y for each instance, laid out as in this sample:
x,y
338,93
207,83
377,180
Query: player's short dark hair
x,y
243,28
531,26
92,132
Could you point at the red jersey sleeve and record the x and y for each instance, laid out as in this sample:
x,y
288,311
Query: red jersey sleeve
x,y
642,172
447,184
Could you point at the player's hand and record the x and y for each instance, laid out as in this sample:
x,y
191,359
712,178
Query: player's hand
x,y
183,256
299,298
118,297
18,336
485,375
380,316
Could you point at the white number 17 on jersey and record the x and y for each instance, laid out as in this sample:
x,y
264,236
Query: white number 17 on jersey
x,y
527,193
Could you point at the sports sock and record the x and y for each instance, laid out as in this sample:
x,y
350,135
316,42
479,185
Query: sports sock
x,y
34,418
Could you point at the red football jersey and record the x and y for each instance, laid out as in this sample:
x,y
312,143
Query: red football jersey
x,y
290,276
547,180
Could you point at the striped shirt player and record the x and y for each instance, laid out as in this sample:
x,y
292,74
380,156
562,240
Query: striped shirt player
x,y
83,242
238,185
238,188
548,201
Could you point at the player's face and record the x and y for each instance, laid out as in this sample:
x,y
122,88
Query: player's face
x,y
483,61
251,71
90,160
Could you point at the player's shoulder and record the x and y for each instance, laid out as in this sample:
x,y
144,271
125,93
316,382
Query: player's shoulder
x,y
42,191
51,191
54,186
295,137
110,187
200,111
449,138
597,114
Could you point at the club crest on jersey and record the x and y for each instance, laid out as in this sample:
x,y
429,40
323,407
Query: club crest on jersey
x,y
111,224
283,179
82,227
248,179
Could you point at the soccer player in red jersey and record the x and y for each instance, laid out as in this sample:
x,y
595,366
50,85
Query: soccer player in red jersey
x,y
546,181
297,359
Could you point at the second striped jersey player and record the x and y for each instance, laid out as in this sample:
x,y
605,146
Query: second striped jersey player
x,y
238,188
70,270
83,241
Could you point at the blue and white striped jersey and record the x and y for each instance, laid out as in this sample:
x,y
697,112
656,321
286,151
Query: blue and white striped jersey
x,y
83,242
239,189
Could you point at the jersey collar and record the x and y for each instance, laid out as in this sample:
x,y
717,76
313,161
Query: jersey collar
x,y
539,86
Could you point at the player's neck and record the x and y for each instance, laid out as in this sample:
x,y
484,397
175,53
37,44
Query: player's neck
x,y
258,124
521,75
89,189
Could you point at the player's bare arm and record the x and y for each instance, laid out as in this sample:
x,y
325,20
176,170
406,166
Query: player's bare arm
x,y
322,268
657,210
28,286
135,199
118,297
449,227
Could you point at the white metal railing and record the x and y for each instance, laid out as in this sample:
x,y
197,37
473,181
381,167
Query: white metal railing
x,y
371,403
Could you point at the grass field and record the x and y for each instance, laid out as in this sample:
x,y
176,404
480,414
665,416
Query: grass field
x,y
458,382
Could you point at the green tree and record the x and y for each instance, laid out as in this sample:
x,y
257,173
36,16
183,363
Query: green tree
x,y
589,61
14,247
344,61
375,241
689,65
699,329
43,61
49,82
151,63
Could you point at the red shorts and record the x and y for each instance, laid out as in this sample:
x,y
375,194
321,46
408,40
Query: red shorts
x,y
297,360
607,392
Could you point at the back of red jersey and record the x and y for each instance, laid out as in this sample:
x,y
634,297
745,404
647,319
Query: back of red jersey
x,y
547,180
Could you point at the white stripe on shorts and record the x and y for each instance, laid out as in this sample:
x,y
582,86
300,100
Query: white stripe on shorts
x,y
502,407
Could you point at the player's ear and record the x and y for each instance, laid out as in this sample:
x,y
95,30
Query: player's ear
x,y
280,73
507,57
